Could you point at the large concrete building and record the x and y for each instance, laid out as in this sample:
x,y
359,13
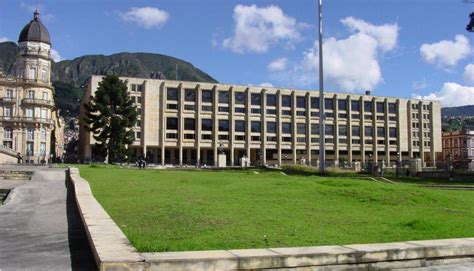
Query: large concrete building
x,y
28,115
190,123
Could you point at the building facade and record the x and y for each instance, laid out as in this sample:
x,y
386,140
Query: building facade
x,y
458,148
28,113
191,122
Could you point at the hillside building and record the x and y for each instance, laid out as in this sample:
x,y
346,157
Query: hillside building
x,y
458,148
28,116
190,123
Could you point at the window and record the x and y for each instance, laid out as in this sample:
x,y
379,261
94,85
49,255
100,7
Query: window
x,y
206,124
44,113
240,126
301,128
223,97
207,96
315,129
206,108
172,123
30,134
342,105
31,94
380,108
392,132
286,128
356,131
392,108
172,94
223,125
368,131
286,101
380,131
240,97
32,73
256,99
8,144
7,133
256,126
29,148
172,106
206,137
343,130
7,111
224,109
329,130
256,111
271,100
368,106
9,93
271,111
355,116
189,124
355,106
29,113
301,102
139,100
190,95
189,107
329,103
240,110
43,149
271,127
45,96
44,75
314,102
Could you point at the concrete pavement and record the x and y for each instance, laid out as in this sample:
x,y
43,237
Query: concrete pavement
x,y
40,228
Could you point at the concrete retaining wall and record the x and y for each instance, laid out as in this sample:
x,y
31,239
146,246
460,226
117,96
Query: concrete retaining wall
x,y
113,251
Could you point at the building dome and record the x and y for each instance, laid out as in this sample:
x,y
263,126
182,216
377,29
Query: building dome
x,y
35,31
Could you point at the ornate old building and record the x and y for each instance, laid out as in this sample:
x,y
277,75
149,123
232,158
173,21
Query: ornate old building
x,y
28,117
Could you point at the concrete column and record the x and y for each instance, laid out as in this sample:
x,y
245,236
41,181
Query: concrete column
x,y
215,126
362,130
197,132
308,129
336,128
410,129
349,128
422,130
374,124
432,138
231,125
399,130
294,135
248,122
162,128
278,120
387,132
263,132
180,124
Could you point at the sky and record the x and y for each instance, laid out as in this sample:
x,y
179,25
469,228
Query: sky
x,y
398,48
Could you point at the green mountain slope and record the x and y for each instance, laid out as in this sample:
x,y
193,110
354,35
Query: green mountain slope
x,y
69,75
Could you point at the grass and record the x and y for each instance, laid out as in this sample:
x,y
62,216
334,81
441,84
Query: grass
x,y
169,210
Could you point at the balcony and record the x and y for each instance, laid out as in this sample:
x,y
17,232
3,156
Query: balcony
x,y
7,100
39,102
27,120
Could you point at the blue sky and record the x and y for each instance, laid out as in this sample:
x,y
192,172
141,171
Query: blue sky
x,y
406,48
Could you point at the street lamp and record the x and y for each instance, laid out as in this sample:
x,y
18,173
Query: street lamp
x,y
322,151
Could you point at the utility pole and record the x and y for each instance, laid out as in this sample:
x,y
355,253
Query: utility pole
x,y
322,149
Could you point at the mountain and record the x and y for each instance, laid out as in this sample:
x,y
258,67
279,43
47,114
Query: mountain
x,y
69,75
459,111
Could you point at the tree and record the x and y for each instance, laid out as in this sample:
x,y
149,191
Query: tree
x,y
110,115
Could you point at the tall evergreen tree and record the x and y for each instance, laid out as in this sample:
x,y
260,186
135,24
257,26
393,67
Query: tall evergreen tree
x,y
110,116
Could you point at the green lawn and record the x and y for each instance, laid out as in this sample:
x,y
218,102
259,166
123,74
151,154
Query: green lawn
x,y
170,210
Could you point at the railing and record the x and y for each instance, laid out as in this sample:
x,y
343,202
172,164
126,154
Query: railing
x,y
38,102
27,119
7,150
9,100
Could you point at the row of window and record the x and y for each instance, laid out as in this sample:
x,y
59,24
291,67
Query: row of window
x,y
417,106
240,98
30,134
417,125
29,147
32,74
29,112
271,127
30,94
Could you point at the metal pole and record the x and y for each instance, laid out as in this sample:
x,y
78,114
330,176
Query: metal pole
x,y
322,151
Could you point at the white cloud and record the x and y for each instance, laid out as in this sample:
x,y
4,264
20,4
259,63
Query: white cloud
x,y
146,17
446,54
350,64
257,29
469,73
417,85
451,94
3,39
278,65
55,55
266,85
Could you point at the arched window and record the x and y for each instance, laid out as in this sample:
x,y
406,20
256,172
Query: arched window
x,y
43,134
7,133
30,134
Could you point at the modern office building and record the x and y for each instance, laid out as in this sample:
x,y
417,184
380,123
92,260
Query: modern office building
x,y
191,122
458,148
28,115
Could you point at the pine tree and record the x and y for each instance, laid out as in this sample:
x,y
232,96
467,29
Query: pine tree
x,y
110,116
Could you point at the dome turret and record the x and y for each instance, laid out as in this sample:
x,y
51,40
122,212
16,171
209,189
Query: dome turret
x,y
35,31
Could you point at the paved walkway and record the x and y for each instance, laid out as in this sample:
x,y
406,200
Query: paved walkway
x,y
40,228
